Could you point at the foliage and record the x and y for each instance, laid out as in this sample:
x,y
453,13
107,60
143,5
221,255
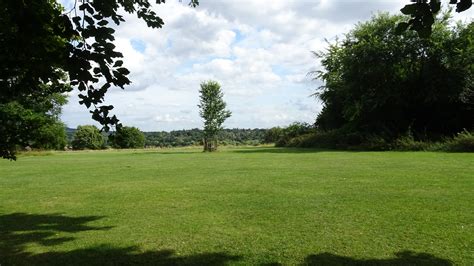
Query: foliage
x,y
423,13
340,140
293,130
462,142
265,206
378,83
31,122
337,139
127,137
193,137
408,143
212,110
42,44
273,135
88,137
50,136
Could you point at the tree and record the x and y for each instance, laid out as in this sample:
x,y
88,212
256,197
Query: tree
x,y
88,137
32,122
42,43
212,110
423,12
50,136
379,82
128,137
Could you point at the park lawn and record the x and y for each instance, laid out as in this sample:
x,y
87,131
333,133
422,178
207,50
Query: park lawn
x,y
237,206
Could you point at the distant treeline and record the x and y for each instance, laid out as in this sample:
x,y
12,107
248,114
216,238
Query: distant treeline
x,y
191,137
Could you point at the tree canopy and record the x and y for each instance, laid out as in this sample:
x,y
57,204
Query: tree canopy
x,y
88,137
45,49
379,82
127,137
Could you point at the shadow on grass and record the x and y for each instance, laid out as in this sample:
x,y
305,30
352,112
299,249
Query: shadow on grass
x,y
280,150
105,255
401,258
146,152
20,230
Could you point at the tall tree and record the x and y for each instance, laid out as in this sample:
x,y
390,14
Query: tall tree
x,y
41,42
379,82
212,110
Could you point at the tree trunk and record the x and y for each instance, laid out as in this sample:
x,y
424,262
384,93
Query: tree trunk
x,y
210,144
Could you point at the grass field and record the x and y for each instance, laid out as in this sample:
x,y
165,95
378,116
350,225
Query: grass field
x,y
247,206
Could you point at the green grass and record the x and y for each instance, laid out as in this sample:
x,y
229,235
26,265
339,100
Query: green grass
x,y
238,206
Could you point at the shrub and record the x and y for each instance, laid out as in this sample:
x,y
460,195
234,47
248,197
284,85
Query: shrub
x,y
127,137
462,142
292,131
273,135
408,143
372,143
50,136
88,137
338,139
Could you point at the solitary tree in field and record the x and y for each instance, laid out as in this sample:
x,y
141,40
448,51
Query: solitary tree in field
x,y
213,112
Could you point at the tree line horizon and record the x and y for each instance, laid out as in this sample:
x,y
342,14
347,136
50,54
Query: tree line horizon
x,y
48,51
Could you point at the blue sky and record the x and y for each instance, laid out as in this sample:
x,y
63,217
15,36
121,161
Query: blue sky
x,y
259,51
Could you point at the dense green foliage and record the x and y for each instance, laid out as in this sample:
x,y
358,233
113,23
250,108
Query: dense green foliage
x,y
194,137
50,136
127,137
336,139
290,132
212,110
258,206
382,85
42,43
88,137
31,123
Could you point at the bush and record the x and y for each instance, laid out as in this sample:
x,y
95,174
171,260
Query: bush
x,y
408,143
462,142
294,130
127,138
88,137
50,136
338,139
273,135
325,140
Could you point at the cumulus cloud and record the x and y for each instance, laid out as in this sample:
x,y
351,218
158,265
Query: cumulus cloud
x,y
259,51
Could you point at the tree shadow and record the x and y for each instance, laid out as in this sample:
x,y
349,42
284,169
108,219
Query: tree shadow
x,y
405,257
147,152
280,150
106,255
19,230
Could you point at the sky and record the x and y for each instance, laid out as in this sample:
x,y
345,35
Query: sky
x,y
259,51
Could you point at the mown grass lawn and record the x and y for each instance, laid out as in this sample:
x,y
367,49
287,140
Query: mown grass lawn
x,y
238,206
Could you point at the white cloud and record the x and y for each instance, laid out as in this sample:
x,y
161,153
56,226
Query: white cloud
x,y
259,51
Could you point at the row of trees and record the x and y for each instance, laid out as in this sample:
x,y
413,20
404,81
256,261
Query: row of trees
x,y
194,137
46,50
212,110
90,137
387,89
